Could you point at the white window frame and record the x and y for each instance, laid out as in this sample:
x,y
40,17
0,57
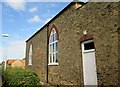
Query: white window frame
x,y
51,61
30,55
83,46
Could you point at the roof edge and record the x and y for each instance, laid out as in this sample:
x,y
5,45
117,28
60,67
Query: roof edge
x,y
56,17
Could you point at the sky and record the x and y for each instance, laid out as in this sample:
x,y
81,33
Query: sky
x,y
20,20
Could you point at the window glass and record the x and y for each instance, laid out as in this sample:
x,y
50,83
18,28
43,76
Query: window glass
x,y
30,55
51,40
53,37
56,46
53,46
53,58
56,37
88,46
53,31
56,57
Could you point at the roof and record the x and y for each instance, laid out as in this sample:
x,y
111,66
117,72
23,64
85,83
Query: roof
x,y
55,18
13,60
10,61
23,61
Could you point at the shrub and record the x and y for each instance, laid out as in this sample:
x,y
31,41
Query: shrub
x,y
20,77
7,66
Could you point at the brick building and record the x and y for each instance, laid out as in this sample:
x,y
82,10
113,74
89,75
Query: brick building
x,y
79,46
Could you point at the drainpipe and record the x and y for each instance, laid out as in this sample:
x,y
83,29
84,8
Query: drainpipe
x,y
47,51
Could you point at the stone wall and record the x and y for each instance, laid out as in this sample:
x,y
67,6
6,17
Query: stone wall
x,y
39,56
99,19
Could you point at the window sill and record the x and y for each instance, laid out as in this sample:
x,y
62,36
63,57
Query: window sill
x,y
30,64
53,64
91,50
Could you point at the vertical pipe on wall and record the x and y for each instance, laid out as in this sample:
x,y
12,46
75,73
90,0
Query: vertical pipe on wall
x,y
47,52
118,31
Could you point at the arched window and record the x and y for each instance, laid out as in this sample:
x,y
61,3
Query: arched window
x,y
30,55
53,47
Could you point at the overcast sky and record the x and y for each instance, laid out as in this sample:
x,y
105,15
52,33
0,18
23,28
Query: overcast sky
x,y
21,20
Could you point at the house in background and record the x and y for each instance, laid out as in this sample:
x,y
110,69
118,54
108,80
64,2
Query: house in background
x,y
79,46
16,63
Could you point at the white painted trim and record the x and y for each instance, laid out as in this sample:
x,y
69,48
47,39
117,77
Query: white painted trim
x,y
88,41
87,51
30,64
91,50
83,47
54,42
52,64
51,43
30,55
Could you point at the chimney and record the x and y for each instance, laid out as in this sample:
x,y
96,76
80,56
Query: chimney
x,y
77,4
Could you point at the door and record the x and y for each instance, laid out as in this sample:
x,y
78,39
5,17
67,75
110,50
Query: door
x,y
89,63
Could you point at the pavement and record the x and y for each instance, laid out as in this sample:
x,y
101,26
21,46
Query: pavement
x,y
0,76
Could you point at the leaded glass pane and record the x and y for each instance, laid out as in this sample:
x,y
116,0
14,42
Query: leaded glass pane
x,y
53,58
56,46
53,37
56,36
53,47
30,55
56,57
53,31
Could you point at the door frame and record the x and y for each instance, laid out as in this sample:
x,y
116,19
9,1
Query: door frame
x,y
86,51
83,47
